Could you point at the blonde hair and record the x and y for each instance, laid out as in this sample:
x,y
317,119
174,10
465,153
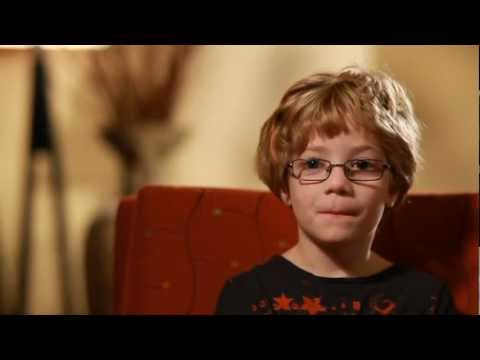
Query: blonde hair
x,y
327,104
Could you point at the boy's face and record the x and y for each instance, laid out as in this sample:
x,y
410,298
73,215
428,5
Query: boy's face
x,y
337,209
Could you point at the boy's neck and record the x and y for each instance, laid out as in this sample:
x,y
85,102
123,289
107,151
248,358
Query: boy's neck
x,y
352,260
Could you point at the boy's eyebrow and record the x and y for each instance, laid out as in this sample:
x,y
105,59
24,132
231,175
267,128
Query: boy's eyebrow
x,y
316,148
364,148
355,149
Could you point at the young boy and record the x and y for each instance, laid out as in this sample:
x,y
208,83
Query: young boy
x,y
339,150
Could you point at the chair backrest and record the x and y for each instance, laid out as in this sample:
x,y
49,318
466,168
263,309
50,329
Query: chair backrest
x,y
176,246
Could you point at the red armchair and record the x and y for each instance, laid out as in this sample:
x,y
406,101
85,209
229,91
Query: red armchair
x,y
175,247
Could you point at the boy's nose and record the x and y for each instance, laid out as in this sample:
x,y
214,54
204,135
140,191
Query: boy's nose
x,y
337,181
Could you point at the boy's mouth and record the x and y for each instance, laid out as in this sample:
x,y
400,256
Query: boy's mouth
x,y
338,212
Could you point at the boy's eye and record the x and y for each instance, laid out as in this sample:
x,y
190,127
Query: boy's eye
x,y
362,165
314,164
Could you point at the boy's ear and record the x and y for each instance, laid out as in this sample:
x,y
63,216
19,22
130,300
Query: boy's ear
x,y
285,198
392,199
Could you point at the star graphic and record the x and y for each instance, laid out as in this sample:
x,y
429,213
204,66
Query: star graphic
x,y
356,305
313,305
386,307
282,302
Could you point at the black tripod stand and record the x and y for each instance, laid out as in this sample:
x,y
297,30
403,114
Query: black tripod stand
x,y
42,141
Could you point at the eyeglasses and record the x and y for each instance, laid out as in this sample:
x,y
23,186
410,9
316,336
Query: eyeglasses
x,y
318,170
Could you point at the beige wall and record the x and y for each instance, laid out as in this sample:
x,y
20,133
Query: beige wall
x,y
240,86
444,83
231,91
228,93
91,178
14,111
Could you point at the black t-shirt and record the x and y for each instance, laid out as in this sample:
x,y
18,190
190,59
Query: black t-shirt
x,y
280,287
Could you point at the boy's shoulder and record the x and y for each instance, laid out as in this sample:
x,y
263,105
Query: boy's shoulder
x,y
249,277
416,279
278,268
267,270
265,287
246,293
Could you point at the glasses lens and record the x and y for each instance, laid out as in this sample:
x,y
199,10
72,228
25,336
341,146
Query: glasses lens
x,y
312,169
364,170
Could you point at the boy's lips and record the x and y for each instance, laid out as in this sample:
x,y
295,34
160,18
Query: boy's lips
x,y
339,212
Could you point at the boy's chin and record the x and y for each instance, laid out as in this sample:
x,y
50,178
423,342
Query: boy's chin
x,y
332,239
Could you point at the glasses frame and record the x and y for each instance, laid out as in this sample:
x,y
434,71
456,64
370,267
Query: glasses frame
x,y
331,165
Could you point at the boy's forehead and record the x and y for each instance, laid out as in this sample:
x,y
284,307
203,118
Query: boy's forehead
x,y
354,138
